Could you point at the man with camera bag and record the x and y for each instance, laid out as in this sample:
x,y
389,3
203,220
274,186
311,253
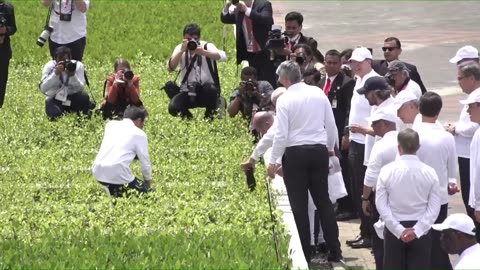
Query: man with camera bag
x,y
200,86
7,28
63,83
68,25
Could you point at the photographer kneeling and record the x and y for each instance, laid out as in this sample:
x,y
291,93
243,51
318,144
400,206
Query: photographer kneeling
x,y
199,85
123,89
251,95
63,83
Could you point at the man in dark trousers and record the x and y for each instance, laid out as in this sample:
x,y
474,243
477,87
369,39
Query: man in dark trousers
x,y
253,21
7,28
392,48
339,89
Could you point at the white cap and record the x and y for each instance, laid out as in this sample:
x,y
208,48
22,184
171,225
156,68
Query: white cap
x,y
383,114
472,98
465,52
459,222
360,54
403,97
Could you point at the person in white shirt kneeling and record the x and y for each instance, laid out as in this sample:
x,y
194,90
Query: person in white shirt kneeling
x,y
123,141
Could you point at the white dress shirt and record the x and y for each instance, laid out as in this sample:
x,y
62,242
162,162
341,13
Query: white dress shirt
x,y
475,171
408,190
383,152
413,87
66,32
469,259
464,130
121,143
266,141
52,83
360,108
304,117
418,120
437,150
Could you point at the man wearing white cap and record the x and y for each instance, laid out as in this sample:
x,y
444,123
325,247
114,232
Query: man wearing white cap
x,y
473,102
437,150
465,54
384,123
458,237
361,65
408,200
406,104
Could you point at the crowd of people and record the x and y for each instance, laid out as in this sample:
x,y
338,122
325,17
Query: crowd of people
x,y
374,118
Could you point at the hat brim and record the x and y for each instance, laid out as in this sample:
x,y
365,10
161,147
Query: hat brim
x,y
440,227
358,59
468,101
455,59
362,91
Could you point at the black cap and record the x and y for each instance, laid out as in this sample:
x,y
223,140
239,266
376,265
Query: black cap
x,y
373,83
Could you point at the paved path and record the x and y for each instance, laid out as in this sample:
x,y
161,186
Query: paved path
x,y
430,33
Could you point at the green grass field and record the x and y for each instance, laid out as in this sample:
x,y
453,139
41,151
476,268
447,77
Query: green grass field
x,y
55,215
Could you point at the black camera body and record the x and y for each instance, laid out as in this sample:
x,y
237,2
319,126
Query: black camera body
x,y
300,58
3,20
65,17
250,86
193,44
128,75
71,65
276,40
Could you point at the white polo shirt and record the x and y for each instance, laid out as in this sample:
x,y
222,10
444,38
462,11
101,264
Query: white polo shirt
x,y
383,152
413,87
66,32
464,130
475,171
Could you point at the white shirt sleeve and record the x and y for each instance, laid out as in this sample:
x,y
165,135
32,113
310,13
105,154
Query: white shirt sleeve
x,y
433,207
175,52
212,48
330,125
265,142
374,167
452,162
381,201
281,133
475,168
50,83
141,149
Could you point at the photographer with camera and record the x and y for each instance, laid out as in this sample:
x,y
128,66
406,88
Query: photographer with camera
x,y
251,95
200,86
123,89
293,27
8,27
63,83
67,26
303,55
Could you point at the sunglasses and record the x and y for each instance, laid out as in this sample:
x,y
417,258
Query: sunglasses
x,y
389,49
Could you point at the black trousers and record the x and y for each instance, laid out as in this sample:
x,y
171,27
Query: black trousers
x,y
80,102
265,70
464,171
413,255
122,190
77,47
4,63
345,204
207,96
357,170
439,258
377,242
305,168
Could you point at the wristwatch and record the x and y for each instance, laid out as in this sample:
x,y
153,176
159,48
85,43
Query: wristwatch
x,y
364,199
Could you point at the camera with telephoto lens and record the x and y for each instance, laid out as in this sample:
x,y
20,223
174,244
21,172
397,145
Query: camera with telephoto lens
x,y
300,58
276,38
44,36
249,86
71,65
191,89
128,75
193,44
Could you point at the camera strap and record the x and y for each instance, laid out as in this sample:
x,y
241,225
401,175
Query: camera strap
x,y
213,69
189,68
49,14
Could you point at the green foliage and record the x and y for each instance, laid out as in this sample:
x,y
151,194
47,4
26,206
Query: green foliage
x,y
55,215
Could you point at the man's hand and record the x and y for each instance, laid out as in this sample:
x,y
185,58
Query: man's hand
x,y
227,5
70,73
452,189
184,45
358,129
272,168
280,171
477,216
367,208
408,235
345,142
3,30
242,7
200,51
60,68
450,128
249,165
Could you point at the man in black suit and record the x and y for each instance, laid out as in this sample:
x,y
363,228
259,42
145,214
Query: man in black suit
x,y
392,48
253,20
293,26
339,89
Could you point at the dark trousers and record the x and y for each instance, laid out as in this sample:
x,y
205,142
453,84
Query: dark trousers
x,y
345,204
464,171
77,47
306,168
357,170
413,255
439,258
4,63
377,242
122,190
265,70
80,102
207,96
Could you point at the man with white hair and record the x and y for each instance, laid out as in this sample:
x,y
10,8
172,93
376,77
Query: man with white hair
x,y
465,54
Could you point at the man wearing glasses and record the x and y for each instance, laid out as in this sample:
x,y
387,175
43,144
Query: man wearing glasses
x,y
392,48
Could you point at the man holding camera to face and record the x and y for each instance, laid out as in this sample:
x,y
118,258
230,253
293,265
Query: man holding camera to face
x,y
63,83
251,96
200,85
67,26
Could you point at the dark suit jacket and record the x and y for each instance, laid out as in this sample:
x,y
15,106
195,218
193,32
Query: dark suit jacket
x,y
313,44
262,21
381,67
342,91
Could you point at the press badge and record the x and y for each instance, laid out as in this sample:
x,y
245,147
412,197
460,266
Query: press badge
x,y
334,103
61,95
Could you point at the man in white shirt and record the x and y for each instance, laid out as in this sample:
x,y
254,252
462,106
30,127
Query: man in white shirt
x,y
465,54
437,150
122,142
458,237
406,104
464,129
200,85
398,77
305,137
69,22
408,200
360,63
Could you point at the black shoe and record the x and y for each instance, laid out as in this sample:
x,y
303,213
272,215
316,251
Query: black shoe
x,y
332,257
344,216
364,243
322,248
358,238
